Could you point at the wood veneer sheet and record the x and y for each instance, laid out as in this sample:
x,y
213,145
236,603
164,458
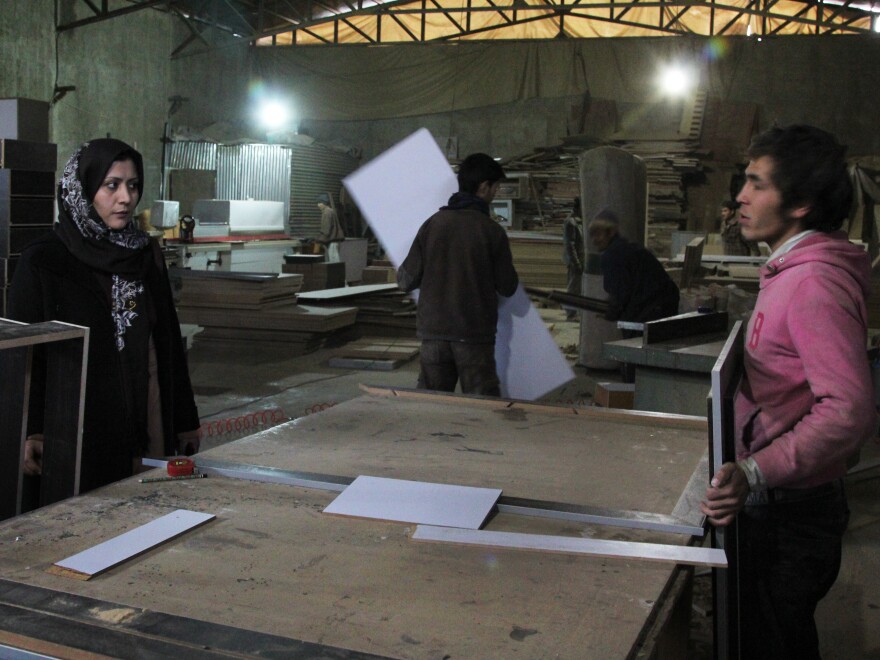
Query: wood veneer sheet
x,y
670,554
417,502
108,554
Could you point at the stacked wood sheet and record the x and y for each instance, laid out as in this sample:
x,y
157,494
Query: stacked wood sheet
x,y
383,309
377,354
229,290
538,259
379,275
257,307
317,276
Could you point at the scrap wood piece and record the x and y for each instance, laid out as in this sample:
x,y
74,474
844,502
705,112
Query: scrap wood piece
x,y
367,363
671,554
400,500
675,420
99,558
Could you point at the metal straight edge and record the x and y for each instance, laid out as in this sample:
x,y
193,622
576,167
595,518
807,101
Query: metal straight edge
x,y
512,505
263,474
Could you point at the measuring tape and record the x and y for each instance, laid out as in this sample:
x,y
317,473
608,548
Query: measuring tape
x,y
180,466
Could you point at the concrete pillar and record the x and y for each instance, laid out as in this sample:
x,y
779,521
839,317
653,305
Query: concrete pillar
x,y
617,180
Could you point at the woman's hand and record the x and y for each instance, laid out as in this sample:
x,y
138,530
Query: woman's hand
x,y
188,442
33,455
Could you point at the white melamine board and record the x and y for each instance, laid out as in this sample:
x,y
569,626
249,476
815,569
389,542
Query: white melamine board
x,y
345,292
671,554
400,189
399,500
110,553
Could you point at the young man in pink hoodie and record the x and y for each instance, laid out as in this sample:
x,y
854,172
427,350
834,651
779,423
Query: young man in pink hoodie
x,y
806,402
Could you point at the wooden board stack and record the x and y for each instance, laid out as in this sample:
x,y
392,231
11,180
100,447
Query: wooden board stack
x,y
317,276
538,260
230,290
383,309
376,354
257,307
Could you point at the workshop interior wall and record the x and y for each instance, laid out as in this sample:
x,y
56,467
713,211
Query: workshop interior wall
x,y
120,69
508,100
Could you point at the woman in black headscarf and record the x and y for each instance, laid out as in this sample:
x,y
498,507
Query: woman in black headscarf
x,y
97,269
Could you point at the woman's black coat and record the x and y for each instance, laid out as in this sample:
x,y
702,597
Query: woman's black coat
x,y
50,284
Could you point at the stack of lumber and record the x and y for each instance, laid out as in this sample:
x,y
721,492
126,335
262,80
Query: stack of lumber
x,y
319,275
379,275
301,328
538,259
378,353
230,290
233,307
383,309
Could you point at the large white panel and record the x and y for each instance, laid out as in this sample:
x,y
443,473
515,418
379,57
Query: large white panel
x,y
400,189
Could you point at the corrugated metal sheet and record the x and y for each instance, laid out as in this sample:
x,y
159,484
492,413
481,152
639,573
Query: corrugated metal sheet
x,y
254,171
191,156
315,170
292,174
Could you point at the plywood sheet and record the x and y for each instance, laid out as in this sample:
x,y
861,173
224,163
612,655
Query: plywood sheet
x,y
419,502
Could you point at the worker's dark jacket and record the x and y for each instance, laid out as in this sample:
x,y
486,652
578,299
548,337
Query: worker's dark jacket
x,y
638,286
51,284
461,262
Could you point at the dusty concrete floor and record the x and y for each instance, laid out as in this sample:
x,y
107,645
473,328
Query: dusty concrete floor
x,y
241,389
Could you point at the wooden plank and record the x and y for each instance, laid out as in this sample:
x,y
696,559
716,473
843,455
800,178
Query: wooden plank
x,y
66,367
671,554
110,553
346,292
691,422
15,365
402,500
684,325
693,255
367,364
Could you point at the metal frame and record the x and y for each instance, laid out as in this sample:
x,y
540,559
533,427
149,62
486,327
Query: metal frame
x,y
726,378
66,351
266,20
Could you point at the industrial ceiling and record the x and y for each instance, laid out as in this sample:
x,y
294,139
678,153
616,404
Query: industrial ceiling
x,y
286,23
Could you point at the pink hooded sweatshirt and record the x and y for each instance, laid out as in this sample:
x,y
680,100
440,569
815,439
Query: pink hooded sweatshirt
x,y
807,402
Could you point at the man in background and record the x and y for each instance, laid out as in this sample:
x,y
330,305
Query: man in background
x,y
639,288
573,253
731,235
460,261
806,403
331,234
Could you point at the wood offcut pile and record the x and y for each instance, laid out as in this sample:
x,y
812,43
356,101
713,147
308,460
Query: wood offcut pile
x,y
383,309
257,307
554,171
537,258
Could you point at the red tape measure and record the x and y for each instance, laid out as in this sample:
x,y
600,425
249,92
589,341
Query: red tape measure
x,y
180,466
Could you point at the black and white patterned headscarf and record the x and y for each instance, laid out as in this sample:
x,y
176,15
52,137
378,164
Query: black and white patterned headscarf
x,y
121,253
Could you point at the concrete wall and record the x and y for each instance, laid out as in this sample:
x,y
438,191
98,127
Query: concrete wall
x,y
124,74
120,68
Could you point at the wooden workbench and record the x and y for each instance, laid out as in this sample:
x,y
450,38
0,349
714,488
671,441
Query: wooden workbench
x,y
272,569
672,376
